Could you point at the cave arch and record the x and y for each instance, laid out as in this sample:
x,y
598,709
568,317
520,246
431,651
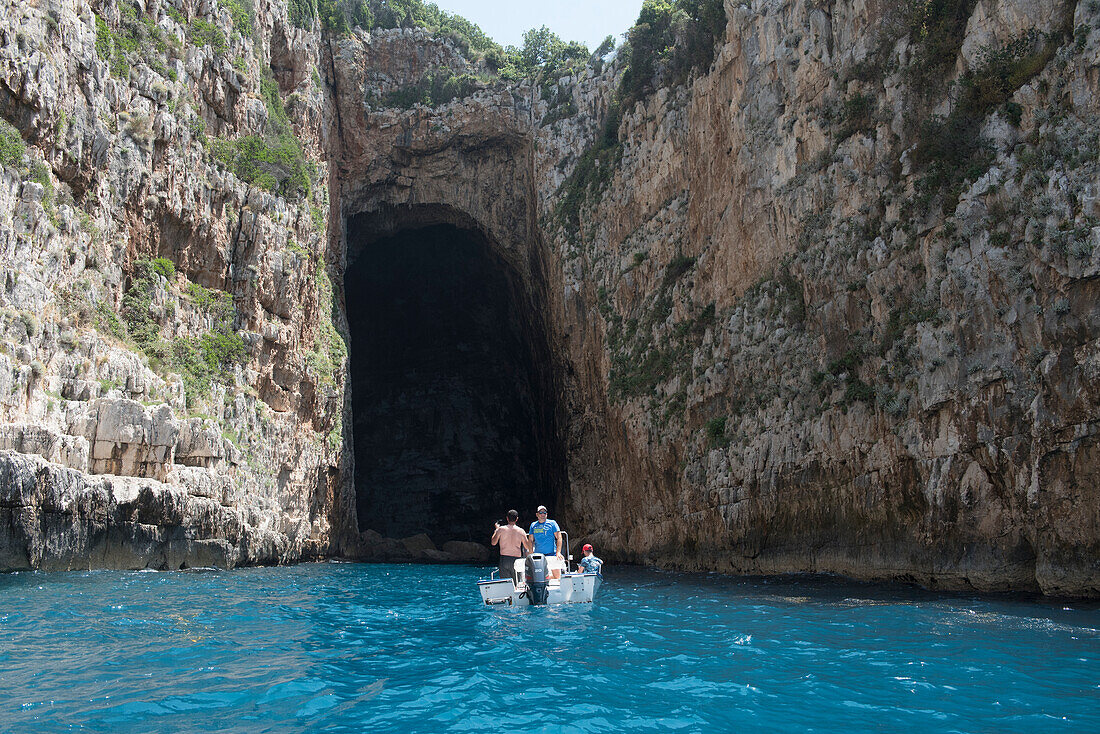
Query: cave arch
x,y
454,401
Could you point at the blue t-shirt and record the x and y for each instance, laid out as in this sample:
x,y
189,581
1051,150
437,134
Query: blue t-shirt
x,y
590,565
543,533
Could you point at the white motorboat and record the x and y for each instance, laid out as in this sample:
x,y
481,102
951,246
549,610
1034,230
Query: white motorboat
x,y
537,586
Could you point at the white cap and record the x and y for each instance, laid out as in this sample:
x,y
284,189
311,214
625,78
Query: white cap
x,y
542,508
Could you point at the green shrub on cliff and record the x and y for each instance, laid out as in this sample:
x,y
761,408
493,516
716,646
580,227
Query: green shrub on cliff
x,y
200,361
857,115
204,33
217,303
137,37
651,42
212,356
175,15
670,39
716,432
301,13
164,267
40,173
109,47
433,90
329,350
951,150
102,38
222,349
937,28
545,54
107,321
277,161
592,174
243,15
340,16
12,147
273,161
137,303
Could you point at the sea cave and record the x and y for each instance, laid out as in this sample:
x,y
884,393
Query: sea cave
x,y
452,391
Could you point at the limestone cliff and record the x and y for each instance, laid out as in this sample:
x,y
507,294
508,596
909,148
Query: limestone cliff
x,y
827,305
833,340
164,318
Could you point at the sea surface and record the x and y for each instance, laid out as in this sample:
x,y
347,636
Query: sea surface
x,y
343,647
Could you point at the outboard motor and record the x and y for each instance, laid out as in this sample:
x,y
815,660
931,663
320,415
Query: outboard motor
x,y
538,578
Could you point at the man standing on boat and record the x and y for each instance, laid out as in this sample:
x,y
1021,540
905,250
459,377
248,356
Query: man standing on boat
x,y
513,543
545,535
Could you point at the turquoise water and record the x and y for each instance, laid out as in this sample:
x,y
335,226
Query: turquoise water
x,y
340,647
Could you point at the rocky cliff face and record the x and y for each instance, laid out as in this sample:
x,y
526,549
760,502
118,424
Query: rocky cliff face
x,y
829,306
833,342
163,324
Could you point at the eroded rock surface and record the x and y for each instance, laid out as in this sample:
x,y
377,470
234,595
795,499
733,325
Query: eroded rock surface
x,y
782,333
843,368
204,387
63,519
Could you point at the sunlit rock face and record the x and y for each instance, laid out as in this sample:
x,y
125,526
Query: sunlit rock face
x,y
158,418
817,353
770,333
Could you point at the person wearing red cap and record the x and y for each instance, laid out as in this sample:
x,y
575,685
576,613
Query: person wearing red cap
x,y
589,564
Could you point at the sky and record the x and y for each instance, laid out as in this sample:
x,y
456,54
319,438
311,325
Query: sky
x,y
587,21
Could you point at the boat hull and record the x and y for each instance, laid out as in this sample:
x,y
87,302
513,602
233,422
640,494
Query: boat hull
x,y
571,588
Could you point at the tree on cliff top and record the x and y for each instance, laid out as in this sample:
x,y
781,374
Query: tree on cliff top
x,y
670,39
340,16
542,47
543,54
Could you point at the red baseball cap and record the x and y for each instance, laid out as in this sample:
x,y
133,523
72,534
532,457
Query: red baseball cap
x,y
587,547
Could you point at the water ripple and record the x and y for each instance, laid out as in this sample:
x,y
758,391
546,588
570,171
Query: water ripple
x,y
350,648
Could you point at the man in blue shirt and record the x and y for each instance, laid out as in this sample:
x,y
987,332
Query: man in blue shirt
x,y
589,564
545,535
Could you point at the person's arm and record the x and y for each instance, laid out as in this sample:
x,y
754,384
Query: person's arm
x,y
528,543
496,537
557,541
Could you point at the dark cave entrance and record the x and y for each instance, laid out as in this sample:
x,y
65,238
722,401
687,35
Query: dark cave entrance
x,y
452,389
